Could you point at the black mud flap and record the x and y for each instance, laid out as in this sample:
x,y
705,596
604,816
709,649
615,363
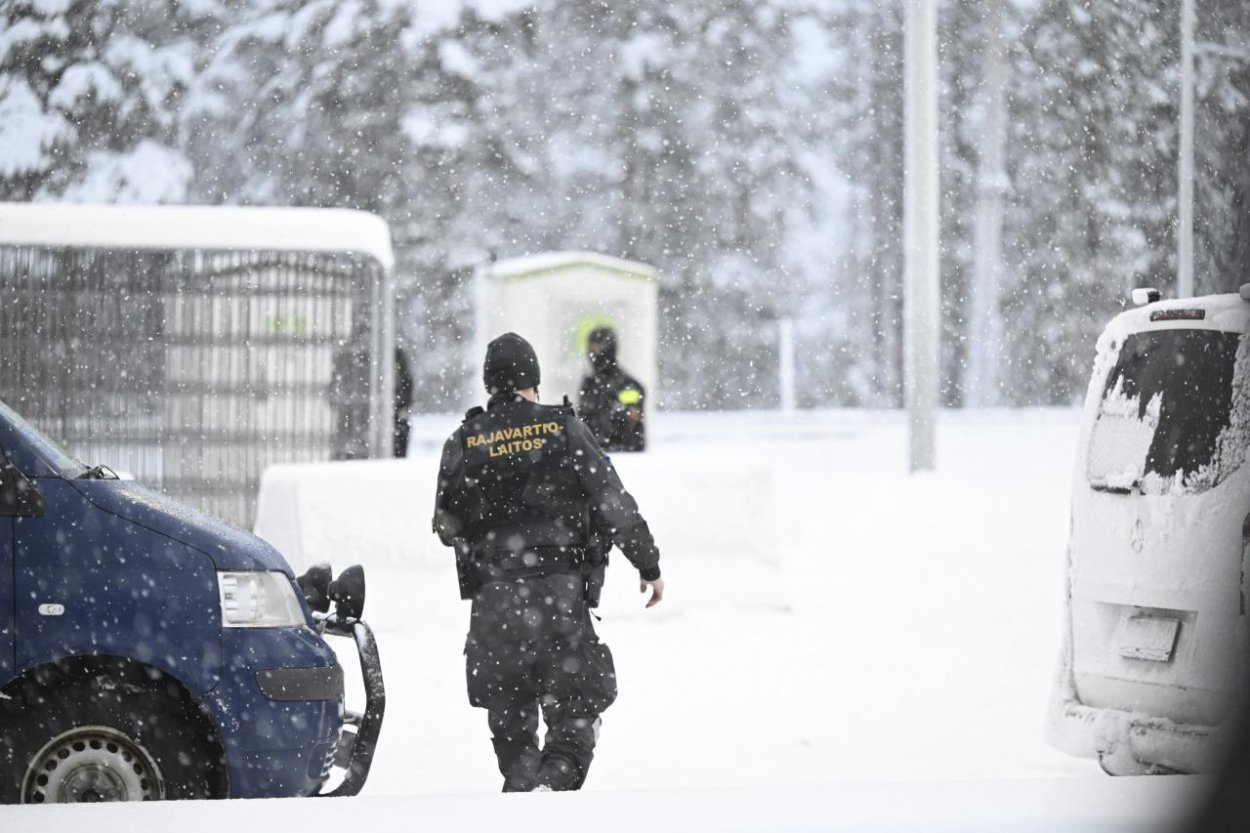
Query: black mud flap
x,y
360,731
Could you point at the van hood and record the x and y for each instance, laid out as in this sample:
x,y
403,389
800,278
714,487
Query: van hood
x,y
229,547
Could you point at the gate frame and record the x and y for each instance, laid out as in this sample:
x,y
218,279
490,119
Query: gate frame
x,y
225,229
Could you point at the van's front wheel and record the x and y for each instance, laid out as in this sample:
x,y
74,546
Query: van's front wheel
x,y
90,764
107,737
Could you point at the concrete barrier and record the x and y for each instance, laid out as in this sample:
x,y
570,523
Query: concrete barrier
x,y
378,512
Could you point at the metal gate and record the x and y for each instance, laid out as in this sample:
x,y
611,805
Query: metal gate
x,y
195,368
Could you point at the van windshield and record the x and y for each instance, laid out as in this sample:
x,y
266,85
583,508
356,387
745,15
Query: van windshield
x,y
51,454
1166,416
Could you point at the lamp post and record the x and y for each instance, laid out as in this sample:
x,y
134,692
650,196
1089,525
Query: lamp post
x,y
920,230
785,362
1185,172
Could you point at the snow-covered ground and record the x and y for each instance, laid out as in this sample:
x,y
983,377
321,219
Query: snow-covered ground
x,y
896,627
1106,805
881,628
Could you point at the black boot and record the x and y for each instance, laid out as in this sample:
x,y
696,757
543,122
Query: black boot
x,y
518,763
558,774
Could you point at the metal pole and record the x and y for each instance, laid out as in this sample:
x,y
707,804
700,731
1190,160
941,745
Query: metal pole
x,y
386,349
920,230
985,326
382,364
1185,174
785,371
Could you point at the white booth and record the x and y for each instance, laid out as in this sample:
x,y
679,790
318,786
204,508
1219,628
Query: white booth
x,y
554,300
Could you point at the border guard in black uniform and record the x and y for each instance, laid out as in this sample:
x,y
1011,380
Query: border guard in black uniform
x,y
612,402
531,505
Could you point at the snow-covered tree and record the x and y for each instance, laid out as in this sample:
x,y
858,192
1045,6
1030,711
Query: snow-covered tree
x,y
751,150
1094,100
654,132
301,104
865,142
1222,146
89,98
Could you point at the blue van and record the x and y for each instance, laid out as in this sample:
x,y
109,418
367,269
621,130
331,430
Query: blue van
x,y
148,651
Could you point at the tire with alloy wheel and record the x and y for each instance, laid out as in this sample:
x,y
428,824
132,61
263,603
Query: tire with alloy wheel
x,y
109,737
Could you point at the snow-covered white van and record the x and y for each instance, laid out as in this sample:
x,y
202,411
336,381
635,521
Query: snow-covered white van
x,y
1157,564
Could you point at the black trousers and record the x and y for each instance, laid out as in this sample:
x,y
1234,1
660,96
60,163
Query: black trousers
x,y
531,649
402,430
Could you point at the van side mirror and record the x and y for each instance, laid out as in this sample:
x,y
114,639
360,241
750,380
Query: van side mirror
x,y
348,593
19,497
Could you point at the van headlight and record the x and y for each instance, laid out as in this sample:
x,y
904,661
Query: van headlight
x,y
259,600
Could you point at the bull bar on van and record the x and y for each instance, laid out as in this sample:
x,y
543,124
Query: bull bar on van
x,y
359,738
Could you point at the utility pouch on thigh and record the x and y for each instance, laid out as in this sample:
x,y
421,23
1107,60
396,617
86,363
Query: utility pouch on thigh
x,y
599,687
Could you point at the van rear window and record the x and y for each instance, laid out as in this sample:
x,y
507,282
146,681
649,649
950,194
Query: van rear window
x,y
1166,418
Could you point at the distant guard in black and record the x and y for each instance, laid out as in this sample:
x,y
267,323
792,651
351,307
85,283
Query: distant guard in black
x,y
612,402
530,504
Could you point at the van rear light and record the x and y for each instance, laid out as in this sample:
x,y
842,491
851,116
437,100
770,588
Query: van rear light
x,y
1178,315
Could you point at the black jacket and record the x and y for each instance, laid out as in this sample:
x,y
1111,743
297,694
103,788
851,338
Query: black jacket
x,y
613,404
521,475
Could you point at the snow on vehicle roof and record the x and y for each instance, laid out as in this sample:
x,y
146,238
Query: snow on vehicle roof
x,y
1227,312
197,227
527,265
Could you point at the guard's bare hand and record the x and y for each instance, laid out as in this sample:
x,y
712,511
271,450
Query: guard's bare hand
x,y
657,591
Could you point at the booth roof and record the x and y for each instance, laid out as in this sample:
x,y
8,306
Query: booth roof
x,y
530,265
196,227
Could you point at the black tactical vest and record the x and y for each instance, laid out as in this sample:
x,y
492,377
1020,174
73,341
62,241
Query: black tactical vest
x,y
519,488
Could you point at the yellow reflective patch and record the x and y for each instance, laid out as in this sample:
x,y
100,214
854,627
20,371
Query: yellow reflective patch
x,y
629,396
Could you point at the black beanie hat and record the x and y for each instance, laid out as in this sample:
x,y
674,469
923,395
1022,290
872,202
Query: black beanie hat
x,y
605,338
511,365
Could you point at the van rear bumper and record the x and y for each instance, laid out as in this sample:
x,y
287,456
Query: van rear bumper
x,y
1128,743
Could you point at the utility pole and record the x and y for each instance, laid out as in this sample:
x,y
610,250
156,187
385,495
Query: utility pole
x,y
985,323
1185,172
785,367
920,230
